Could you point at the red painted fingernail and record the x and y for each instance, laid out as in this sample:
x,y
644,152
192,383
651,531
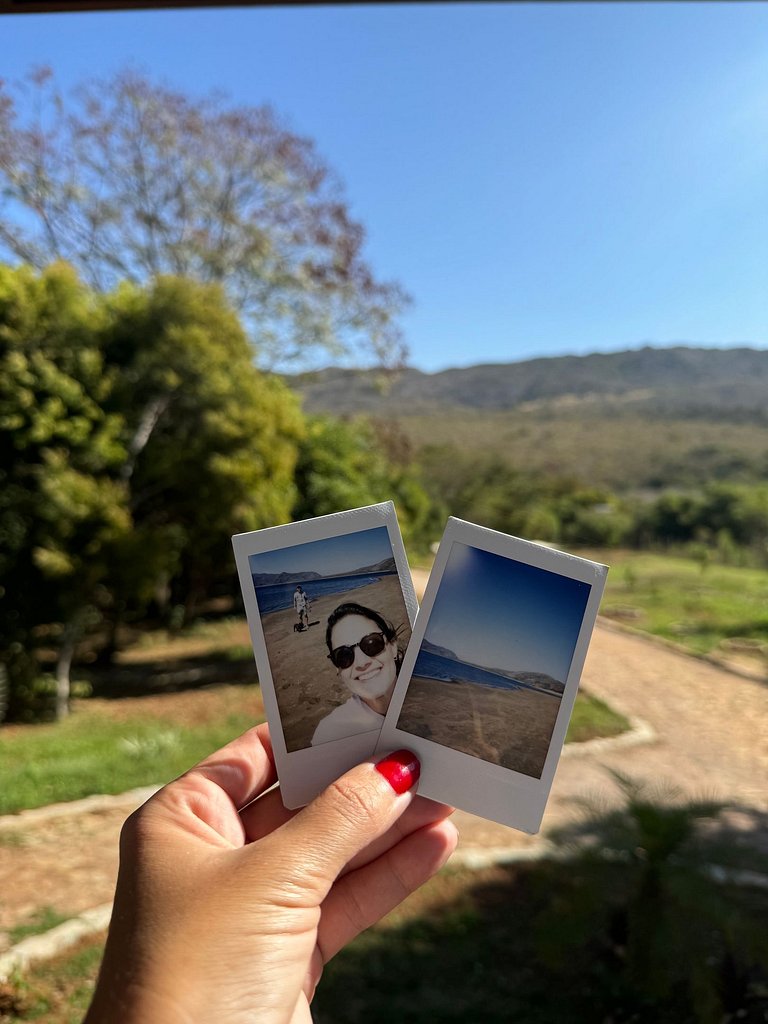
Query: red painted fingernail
x,y
401,769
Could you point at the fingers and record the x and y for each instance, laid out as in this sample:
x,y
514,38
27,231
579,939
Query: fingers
x,y
267,814
205,800
243,768
316,845
420,813
364,896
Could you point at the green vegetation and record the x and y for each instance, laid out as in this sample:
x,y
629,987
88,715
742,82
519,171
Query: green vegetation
x,y
57,991
100,749
136,436
629,929
655,419
41,920
702,606
593,719
141,424
352,463
666,451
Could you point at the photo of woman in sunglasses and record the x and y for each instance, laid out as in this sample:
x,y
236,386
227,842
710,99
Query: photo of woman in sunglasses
x,y
362,646
360,619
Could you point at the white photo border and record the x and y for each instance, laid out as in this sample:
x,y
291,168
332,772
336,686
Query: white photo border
x,y
305,773
463,780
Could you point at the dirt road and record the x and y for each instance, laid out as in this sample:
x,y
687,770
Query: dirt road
x,y
711,730
711,739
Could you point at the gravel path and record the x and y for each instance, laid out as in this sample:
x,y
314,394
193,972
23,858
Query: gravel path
x,y
711,739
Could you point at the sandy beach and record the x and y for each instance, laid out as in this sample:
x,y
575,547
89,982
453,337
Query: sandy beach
x,y
507,727
306,682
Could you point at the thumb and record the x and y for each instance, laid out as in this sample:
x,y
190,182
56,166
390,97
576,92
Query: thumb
x,y
316,844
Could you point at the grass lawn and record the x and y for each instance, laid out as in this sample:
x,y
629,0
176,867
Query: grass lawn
x,y
111,746
593,719
702,609
57,991
38,922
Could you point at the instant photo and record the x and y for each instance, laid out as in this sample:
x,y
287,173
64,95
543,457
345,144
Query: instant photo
x,y
330,604
487,689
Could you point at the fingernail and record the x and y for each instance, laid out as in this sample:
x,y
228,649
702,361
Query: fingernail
x,y
401,770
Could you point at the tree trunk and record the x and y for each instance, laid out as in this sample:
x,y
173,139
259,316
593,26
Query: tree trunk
x,y
63,666
147,423
5,690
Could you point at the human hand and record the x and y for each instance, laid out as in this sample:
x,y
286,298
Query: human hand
x,y
226,910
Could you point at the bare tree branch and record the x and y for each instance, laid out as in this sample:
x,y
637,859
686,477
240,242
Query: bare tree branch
x,y
129,179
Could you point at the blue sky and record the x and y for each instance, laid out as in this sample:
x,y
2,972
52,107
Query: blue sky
x,y
542,178
500,613
331,557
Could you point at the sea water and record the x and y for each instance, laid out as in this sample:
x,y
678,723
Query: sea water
x,y
434,666
273,597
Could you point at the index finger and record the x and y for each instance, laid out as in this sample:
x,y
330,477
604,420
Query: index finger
x,y
205,800
243,768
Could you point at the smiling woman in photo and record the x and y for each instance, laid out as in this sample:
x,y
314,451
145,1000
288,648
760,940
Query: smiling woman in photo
x,y
362,645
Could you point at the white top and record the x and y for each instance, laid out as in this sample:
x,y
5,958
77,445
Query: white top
x,y
352,717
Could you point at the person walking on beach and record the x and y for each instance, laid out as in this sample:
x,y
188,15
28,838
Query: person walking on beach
x,y
301,605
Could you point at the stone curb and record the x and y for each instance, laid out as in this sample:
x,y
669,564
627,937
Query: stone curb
x,y
478,860
55,941
97,802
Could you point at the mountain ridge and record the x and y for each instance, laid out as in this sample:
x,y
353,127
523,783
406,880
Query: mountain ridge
x,y
681,380
267,579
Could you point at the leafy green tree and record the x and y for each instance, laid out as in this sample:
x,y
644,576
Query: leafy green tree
x,y
739,509
211,440
62,505
483,488
672,518
343,464
136,436
127,180
339,466
542,523
488,489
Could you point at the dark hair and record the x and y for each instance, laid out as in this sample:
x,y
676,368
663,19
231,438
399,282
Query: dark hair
x,y
350,608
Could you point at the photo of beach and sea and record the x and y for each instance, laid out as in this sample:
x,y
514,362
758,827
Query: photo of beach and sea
x,y
490,673
358,567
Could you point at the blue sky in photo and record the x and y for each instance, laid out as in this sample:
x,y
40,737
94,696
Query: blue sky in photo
x,y
333,556
542,178
500,613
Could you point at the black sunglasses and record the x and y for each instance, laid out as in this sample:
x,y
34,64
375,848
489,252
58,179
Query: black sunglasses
x,y
371,645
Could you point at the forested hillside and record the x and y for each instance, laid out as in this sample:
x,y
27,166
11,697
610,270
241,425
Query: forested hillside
x,y
648,419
